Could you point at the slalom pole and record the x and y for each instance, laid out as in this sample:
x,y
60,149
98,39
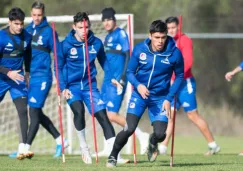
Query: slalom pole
x,y
134,135
90,89
58,90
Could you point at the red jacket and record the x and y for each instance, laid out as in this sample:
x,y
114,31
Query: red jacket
x,y
186,49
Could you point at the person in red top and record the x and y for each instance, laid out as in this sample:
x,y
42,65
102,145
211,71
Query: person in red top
x,y
186,96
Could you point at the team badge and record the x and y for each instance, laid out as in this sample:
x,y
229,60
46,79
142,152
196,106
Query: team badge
x,y
143,56
73,51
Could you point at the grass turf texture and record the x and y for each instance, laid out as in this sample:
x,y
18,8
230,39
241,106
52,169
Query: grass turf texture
x,y
188,156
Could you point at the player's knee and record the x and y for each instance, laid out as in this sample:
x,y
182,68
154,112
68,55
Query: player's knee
x,y
111,116
193,115
160,135
21,106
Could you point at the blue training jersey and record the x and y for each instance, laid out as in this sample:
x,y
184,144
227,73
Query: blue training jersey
x,y
42,45
72,65
154,69
14,51
116,45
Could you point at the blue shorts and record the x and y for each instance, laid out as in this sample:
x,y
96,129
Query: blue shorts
x,y
84,96
137,106
112,99
186,96
38,91
16,90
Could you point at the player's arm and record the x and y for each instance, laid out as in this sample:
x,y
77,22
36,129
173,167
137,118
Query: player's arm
x,y
3,70
126,51
187,53
61,59
229,75
179,76
27,62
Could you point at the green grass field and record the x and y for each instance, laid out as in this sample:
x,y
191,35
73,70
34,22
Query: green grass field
x,y
188,156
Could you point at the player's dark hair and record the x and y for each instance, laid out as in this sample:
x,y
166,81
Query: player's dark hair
x,y
16,14
158,26
172,20
80,16
38,5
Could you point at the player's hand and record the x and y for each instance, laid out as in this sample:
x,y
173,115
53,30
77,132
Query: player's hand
x,y
15,76
67,94
166,107
143,91
229,76
119,87
27,79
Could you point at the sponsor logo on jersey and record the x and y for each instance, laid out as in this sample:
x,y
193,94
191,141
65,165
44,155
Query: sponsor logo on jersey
x,y
92,50
9,45
165,61
40,40
143,56
118,47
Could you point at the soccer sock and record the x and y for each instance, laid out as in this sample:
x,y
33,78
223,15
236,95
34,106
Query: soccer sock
x,y
82,140
48,125
212,144
59,140
21,148
139,134
27,147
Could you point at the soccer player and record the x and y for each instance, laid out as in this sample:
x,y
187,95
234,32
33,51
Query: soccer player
x,y
229,75
41,76
74,84
15,49
186,96
149,70
117,57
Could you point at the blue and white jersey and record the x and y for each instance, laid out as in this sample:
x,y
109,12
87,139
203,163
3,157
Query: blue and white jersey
x,y
73,69
116,45
154,69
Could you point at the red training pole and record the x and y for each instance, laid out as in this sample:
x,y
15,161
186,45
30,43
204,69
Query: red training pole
x,y
90,89
175,99
58,89
130,41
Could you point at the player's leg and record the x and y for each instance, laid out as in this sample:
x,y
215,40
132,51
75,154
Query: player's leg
x,y
164,145
19,96
159,121
78,110
136,108
49,126
113,99
189,102
158,135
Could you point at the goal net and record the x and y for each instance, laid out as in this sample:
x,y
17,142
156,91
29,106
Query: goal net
x,y
44,142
